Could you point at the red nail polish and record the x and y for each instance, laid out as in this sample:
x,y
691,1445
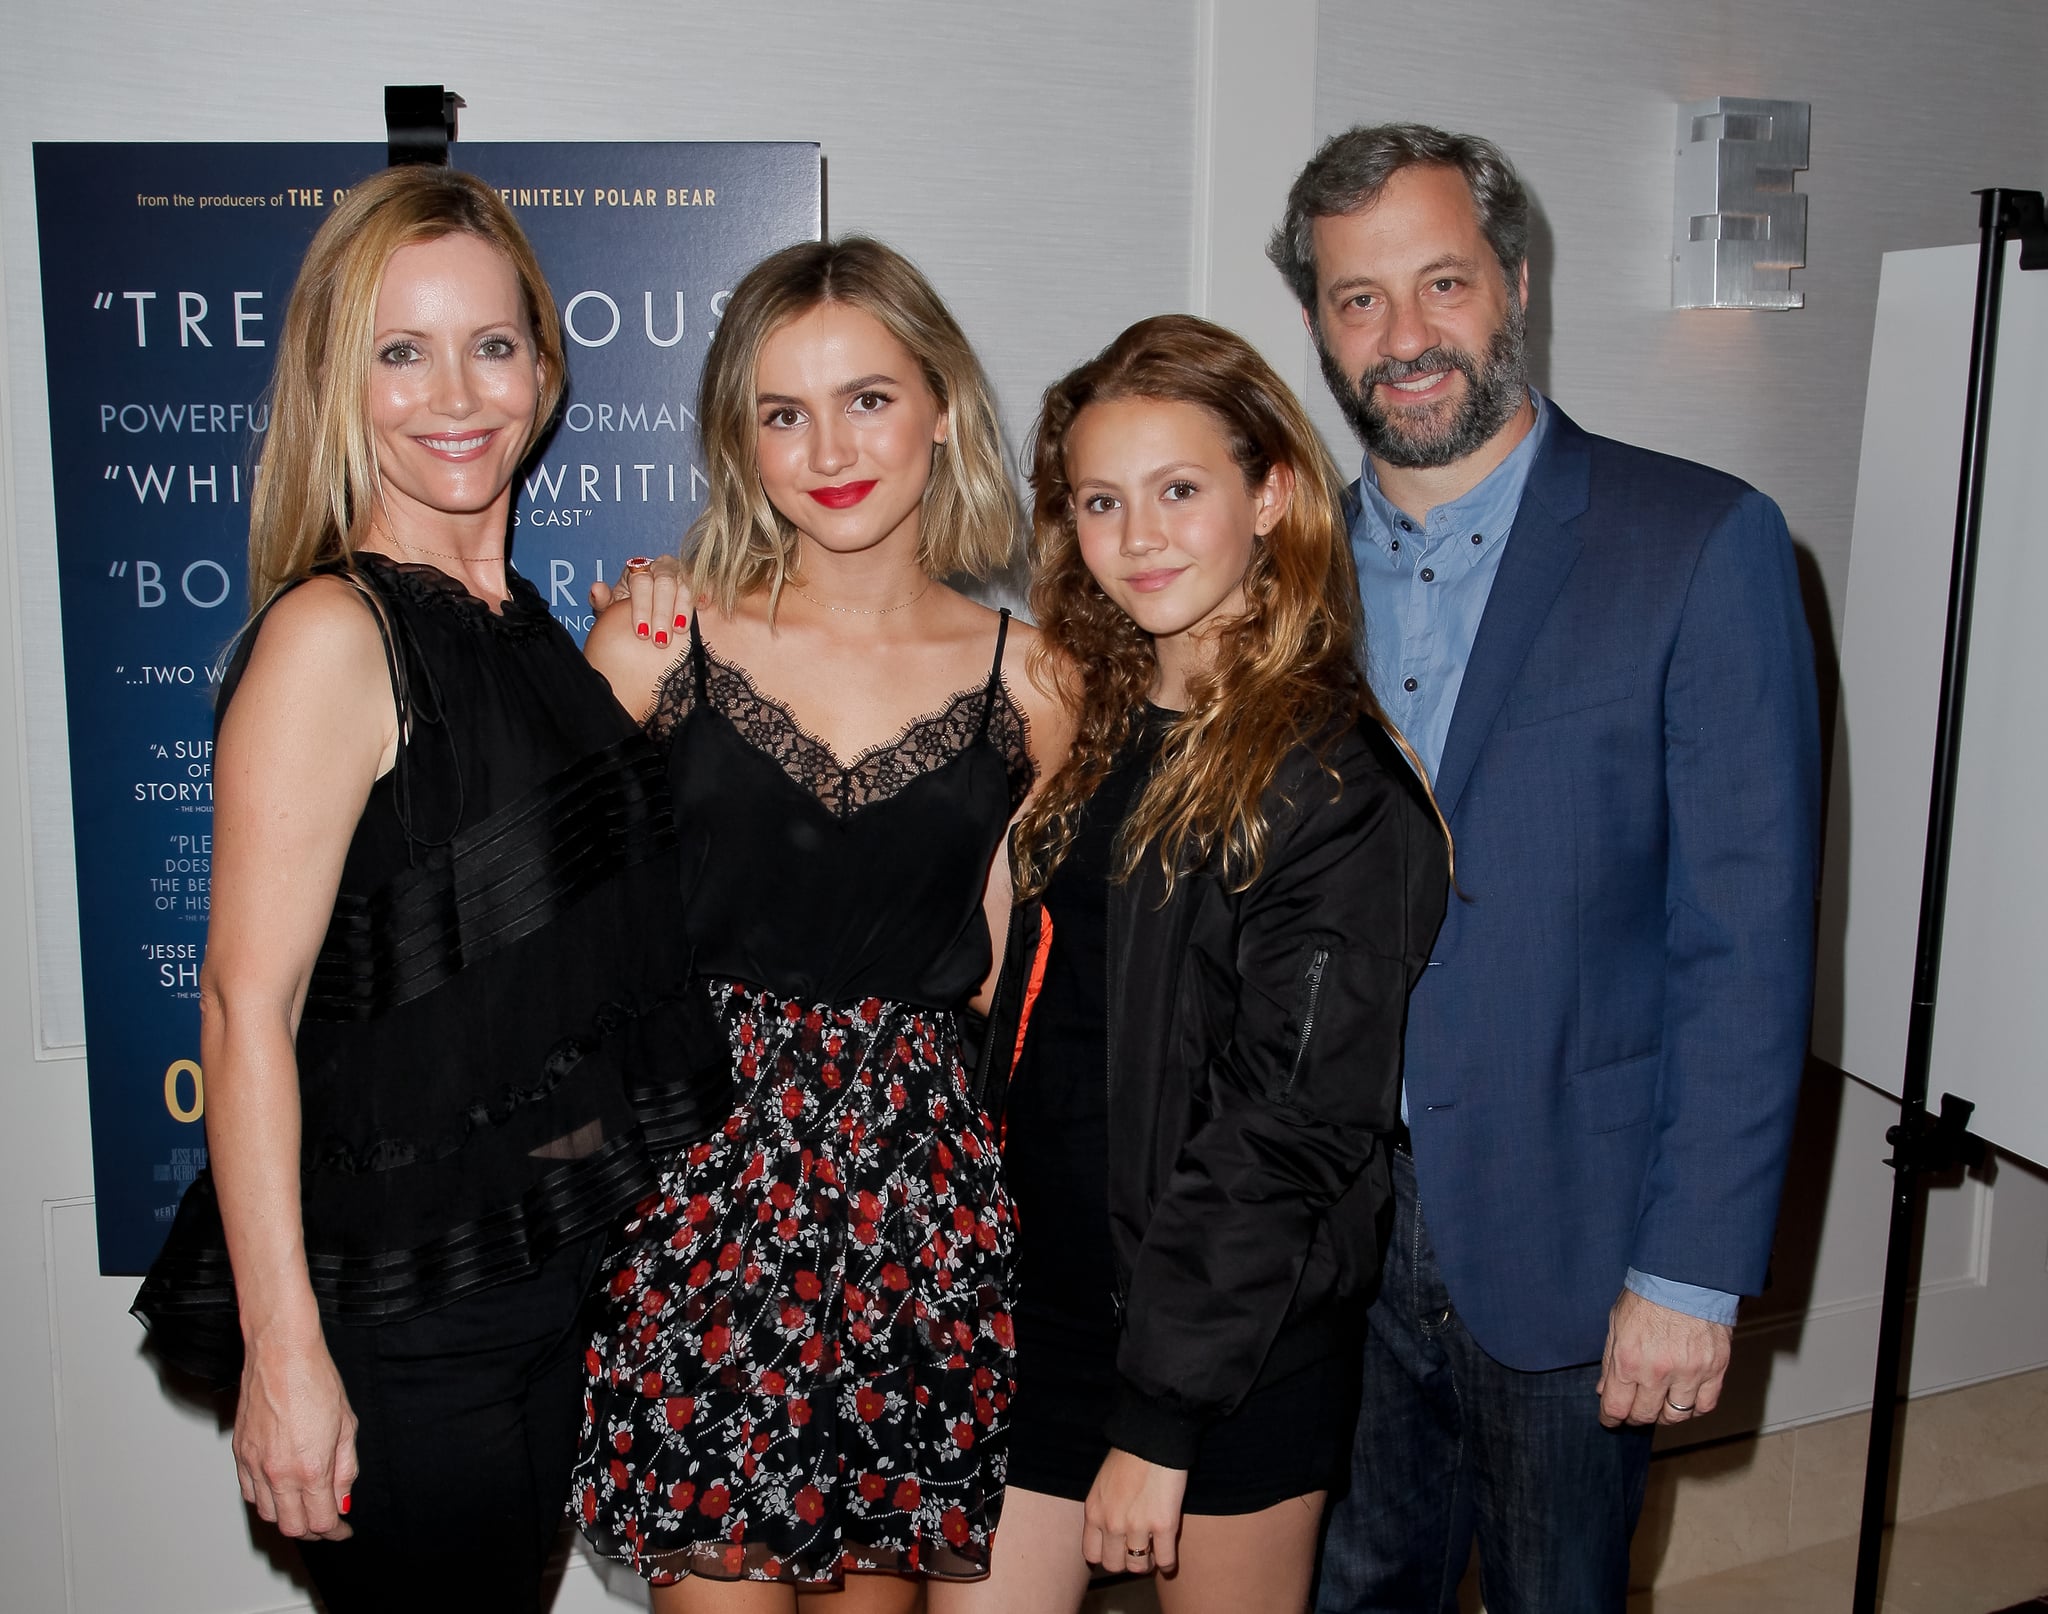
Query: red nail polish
x,y
681,621
661,638
641,629
346,1500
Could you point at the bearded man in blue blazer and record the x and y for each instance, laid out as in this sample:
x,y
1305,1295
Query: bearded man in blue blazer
x,y
1600,655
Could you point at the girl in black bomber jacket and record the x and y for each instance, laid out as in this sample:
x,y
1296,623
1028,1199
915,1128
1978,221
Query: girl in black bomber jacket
x,y
1194,1048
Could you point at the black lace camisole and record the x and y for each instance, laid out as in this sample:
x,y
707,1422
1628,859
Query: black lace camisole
x,y
825,882
501,1025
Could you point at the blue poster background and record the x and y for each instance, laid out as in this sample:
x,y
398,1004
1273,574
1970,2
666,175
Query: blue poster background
x,y
165,272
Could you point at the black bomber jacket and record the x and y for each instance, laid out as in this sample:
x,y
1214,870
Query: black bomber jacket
x,y
1254,1068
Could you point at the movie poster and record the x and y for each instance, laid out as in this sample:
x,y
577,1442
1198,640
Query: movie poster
x,y
165,272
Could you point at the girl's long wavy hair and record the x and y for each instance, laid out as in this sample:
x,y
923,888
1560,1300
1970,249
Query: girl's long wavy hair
x,y
318,476
969,518
1286,672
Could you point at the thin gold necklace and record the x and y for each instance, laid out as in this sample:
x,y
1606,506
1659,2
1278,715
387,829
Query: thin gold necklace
x,y
862,610
438,554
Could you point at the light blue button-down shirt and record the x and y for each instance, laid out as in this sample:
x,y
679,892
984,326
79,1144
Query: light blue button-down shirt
x,y
1424,584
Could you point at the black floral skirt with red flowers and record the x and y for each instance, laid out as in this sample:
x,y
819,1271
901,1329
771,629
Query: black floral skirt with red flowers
x,y
805,1360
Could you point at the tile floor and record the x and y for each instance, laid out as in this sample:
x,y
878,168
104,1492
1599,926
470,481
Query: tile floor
x,y
1713,1507
1974,1559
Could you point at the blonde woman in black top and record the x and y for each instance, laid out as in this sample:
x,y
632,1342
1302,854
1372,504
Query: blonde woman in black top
x,y
442,1018
802,1380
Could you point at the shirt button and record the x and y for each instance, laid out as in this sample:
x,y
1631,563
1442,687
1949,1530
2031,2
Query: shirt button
x,y
1407,526
1478,538
1428,575
1408,684
1395,545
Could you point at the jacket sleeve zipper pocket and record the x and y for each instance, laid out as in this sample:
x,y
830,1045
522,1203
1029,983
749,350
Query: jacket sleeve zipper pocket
x,y
1318,961
1116,1278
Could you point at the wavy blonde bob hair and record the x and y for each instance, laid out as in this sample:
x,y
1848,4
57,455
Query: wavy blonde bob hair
x,y
1286,672
969,519
318,477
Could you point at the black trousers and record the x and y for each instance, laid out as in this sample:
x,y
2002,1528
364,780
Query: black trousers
x,y
469,1418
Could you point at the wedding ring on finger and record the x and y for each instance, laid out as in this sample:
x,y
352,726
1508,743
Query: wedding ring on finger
x,y
1675,1407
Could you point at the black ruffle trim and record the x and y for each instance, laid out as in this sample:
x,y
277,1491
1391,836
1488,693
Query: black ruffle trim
x,y
188,1300
689,1026
523,614
501,880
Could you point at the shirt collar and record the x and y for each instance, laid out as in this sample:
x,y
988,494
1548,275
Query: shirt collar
x,y
1485,512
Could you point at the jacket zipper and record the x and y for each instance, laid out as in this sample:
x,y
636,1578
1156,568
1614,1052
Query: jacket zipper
x,y
1116,1282
1318,961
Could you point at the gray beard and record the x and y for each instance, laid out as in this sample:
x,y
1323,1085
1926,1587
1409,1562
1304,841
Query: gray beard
x,y
1494,391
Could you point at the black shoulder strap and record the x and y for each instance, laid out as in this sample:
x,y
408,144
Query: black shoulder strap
x,y
412,711
234,656
239,648
995,672
698,670
394,660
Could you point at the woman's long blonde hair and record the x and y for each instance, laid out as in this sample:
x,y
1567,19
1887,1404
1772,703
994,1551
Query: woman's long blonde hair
x,y
969,519
1286,672
318,477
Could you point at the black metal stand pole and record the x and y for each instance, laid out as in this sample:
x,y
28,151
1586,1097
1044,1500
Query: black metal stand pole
x,y
419,123
1923,1143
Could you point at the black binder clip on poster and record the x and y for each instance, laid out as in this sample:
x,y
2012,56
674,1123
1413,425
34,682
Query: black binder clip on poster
x,y
1927,1145
419,123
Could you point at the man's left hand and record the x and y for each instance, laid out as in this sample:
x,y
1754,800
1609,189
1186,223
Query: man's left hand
x,y
1660,1365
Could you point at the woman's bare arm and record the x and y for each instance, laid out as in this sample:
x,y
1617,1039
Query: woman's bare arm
x,y
310,729
632,663
1034,687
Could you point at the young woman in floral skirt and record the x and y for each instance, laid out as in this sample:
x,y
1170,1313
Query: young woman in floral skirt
x,y
804,1369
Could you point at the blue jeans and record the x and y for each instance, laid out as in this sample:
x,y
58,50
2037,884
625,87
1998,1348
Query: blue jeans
x,y
1451,1443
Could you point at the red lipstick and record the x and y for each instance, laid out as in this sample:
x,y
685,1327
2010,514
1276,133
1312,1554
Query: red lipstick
x,y
843,497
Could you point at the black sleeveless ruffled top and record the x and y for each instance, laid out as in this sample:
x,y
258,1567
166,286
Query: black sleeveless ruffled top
x,y
827,882
501,1024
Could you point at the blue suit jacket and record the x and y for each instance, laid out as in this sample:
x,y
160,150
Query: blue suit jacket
x,y
1604,1055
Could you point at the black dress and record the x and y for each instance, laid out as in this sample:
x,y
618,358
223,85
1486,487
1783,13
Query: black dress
x,y
1292,1433
499,986
806,1365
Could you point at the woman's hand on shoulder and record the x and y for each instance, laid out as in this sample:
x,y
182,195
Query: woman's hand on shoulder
x,y
632,657
656,594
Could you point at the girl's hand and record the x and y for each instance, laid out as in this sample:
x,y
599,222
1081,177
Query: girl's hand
x,y
1133,1515
660,602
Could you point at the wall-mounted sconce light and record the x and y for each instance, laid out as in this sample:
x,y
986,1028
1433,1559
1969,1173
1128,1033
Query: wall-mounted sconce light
x,y
1739,228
